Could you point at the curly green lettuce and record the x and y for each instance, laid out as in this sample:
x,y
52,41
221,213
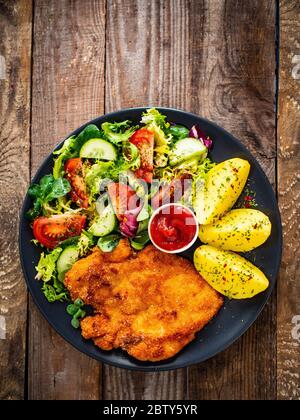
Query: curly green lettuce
x,y
192,168
118,132
156,122
85,243
52,288
72,146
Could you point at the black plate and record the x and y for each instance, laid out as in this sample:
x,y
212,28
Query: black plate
x,y
235,317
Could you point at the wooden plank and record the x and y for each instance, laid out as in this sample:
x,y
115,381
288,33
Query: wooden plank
x,y
15,71
148,40
68,90
233,73
288,321
121,384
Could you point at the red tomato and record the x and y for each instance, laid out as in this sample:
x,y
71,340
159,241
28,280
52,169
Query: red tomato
x,y
49,231
123,198
143,139
74,170
170,193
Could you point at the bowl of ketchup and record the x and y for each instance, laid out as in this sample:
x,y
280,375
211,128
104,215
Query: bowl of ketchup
x,y
173,228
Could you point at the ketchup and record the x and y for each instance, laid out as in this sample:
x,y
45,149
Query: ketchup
x,y
173,227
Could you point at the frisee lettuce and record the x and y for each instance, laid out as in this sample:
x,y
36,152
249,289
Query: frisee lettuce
x,y
191,167
156,122
85,243
72,146
118,132
46,268
53,295
52,288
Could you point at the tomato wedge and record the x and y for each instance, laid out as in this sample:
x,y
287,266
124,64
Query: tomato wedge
x,y
170,192
50,231
74,170
123,198
143,139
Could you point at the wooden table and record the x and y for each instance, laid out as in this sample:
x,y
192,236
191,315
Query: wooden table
x,y
63,63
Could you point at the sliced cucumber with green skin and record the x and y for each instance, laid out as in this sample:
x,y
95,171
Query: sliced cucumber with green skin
x,y
66,260
98,149
109,242
101,203
140,240
144,213
187,149
105,223
143,225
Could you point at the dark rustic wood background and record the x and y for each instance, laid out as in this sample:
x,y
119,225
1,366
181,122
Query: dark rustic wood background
x,y
70,61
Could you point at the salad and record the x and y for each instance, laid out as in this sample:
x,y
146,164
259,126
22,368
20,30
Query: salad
x,y
105,184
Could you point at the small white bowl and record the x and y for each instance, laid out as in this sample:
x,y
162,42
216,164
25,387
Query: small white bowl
x,y
175,251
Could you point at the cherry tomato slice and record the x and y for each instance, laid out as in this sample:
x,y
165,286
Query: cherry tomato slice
x,y
143,139
123,198
74,170
50,231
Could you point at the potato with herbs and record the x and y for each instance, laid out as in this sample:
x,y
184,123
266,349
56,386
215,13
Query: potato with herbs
x,y
239,230
222,187
229,273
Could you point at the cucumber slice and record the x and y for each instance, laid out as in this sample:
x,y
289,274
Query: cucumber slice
x,y
141,239
109,242
101,203
105,223
65,261
98,149
186,149
145,213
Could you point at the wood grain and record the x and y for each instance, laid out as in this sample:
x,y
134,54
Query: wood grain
x,y
15,48
146,53
68,90
186,54
233,73
212,57
288,321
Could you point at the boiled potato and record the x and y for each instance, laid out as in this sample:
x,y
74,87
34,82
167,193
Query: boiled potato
x,y
229,273
239,230
221,189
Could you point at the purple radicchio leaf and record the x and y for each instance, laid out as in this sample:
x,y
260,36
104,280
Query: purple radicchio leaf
x,y
197,133
129,224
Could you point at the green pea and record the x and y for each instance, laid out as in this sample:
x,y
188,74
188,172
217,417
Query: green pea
x,y
72,309
79,314
79,303
75,323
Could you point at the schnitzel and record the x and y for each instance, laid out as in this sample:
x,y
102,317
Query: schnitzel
x,y
150,303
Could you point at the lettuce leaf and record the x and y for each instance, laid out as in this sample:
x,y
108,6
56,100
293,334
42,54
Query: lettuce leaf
x,y
48,189
52,288
72,146
192,168
46,268
156,122
118,132
85,243
94,175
